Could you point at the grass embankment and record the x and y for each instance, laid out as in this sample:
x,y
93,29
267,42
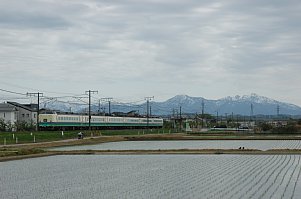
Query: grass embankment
x,y
8,138
22,151
31,137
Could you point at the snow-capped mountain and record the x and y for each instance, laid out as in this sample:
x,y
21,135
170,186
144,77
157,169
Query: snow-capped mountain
x,y
228,105
236,104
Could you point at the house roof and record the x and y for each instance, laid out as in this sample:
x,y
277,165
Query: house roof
x,y
4,107
29,107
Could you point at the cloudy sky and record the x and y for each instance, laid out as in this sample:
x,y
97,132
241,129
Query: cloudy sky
x,y
130,49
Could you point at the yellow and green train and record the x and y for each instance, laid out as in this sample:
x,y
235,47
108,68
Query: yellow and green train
x,y
55,120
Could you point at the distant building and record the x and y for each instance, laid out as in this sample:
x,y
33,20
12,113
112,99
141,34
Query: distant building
x,y
247,124
278,123
26,112
8,113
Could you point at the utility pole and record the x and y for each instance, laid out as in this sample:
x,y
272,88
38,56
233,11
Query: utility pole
x,y
38,111
103,112
108,99
89,92
237,122
181,118
174,118
147,107
98,107
203,107
180,112
252,112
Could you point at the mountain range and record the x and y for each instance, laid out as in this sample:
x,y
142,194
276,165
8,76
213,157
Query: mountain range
x,y
243,105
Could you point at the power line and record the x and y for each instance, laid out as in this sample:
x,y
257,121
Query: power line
x,y
12,92
108,99
203,109
27,88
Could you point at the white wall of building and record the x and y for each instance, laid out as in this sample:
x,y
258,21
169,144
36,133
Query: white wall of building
x,y
9,116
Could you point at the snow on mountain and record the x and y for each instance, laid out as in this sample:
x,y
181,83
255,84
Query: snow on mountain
x,y
236,104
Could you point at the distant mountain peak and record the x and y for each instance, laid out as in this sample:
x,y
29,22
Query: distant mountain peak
x,y
238,104
180,98
252,98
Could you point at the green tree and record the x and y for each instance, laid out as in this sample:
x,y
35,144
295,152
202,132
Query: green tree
x,y
265,126
24,126
9,126
167,125
2,125
286,129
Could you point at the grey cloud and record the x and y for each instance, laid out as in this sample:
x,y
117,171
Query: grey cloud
x,y
183,43
28,20
38,14
156,7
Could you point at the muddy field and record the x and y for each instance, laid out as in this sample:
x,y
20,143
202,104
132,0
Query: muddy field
x,y
152,176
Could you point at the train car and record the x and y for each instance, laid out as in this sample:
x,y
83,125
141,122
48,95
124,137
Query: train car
x,y
54,120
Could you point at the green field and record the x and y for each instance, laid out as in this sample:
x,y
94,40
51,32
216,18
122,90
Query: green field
x,y
31,137
46,136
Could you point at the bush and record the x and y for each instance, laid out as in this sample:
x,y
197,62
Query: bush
x,y
2,125
265,126
24,126
286,129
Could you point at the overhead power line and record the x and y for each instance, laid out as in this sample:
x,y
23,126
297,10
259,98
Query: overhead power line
x,y
12,92
108,99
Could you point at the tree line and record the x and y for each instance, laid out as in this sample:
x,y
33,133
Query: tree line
x,y
18,125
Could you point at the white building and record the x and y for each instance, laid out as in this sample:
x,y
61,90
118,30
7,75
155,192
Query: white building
x,y
8,113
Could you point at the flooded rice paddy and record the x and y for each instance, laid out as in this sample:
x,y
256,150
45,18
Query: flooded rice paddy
x,y
152,176
190,144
